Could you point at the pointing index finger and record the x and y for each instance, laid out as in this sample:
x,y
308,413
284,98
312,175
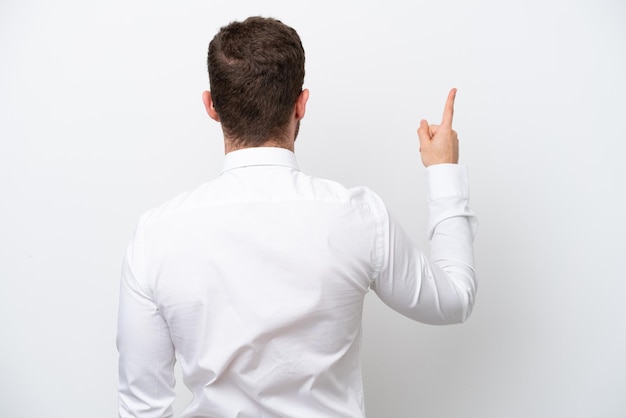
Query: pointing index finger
x,y
448,111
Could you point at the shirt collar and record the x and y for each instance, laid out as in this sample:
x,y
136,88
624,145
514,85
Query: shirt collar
x,y
259,156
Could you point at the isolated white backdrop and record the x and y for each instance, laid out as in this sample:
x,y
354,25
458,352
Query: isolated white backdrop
x,y
101,119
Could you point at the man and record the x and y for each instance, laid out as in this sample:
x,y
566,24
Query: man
x,y
256,280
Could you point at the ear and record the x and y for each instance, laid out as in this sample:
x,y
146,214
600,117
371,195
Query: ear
x,y
208,105
301,104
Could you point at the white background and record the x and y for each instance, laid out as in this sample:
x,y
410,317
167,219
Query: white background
x,y
101,119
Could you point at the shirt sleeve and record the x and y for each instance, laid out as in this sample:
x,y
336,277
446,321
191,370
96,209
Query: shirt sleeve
x,y
438,288
146,352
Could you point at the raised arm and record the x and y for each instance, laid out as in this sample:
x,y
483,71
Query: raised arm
x,y
438,288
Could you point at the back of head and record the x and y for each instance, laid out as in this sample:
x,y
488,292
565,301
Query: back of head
x,y
256,72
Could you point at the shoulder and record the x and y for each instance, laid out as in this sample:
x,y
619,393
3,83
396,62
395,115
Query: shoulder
x,y
180,204
359,196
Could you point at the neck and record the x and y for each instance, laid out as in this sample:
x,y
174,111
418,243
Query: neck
x,y
287,141
230,146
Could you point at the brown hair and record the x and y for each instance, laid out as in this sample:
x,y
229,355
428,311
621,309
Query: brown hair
x,y
256,72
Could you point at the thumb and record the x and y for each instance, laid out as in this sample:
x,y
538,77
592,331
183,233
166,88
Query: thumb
x,y
423,132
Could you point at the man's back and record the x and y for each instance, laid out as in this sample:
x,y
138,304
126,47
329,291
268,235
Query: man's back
x,y
260,276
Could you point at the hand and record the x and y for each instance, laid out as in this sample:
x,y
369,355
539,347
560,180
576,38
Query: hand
x,y
439,143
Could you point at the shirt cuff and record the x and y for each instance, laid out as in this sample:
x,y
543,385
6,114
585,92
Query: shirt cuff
x,y
447,180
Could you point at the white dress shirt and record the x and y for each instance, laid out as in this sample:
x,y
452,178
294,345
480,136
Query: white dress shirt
x,y
255,281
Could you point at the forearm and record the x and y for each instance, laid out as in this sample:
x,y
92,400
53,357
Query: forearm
x,y
451,283
436,288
